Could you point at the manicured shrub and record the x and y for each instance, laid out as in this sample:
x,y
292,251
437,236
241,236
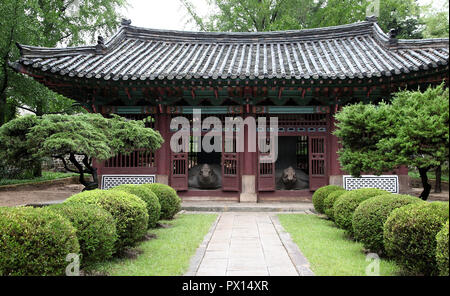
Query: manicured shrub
x,y
347,203
442,251
168,198
320,195
329,201
370,215
35,241
128,210
95,228
150,198
410,235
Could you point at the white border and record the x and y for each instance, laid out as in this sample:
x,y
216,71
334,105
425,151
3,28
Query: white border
x,y
345,177
121,176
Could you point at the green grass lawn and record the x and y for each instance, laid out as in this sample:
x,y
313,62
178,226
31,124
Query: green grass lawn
x,y
327,247
46,176
167,255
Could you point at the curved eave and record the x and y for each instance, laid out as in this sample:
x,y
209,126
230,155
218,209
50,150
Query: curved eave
x,y
98,92
30,52
441,71
412,59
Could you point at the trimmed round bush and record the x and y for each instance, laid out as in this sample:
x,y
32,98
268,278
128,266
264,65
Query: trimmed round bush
x,y
95,229
35,241
370,215
150,198
347,203
442,251
329,201
320,195
410,235
128,210
168,198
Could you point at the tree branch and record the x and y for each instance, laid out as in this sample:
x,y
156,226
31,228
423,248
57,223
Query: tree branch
x,y
64,7
255,22
25,108
74,161
193,14
7,53
65,164
35,112
65,36
275,11
88,164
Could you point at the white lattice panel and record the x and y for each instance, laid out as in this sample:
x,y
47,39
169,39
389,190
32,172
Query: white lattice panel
x,y
110,181
385,182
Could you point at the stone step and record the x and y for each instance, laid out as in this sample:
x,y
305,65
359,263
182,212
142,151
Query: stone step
x,y
300,207
214,206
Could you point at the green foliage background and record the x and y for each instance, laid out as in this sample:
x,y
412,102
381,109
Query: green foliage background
x,y
271,15
46,23
28,139
412,130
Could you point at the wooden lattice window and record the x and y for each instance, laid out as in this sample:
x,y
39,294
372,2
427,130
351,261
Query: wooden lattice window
x,y
318,167
317,150
179,166
137,159
300,120
266,168
230,166
302,153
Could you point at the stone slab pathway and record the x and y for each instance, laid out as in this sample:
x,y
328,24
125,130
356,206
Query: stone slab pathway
x,y
248,244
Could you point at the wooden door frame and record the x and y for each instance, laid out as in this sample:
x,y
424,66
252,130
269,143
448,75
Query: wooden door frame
x,y
318,180
230,182
264,182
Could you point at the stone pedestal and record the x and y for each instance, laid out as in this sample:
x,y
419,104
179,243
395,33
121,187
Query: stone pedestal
x,y
404,184
336,180
248,193
163,179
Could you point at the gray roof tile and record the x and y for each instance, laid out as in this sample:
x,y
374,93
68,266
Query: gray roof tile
x,y
355,50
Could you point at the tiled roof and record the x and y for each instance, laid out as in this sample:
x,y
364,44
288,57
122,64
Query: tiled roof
x,y
351,51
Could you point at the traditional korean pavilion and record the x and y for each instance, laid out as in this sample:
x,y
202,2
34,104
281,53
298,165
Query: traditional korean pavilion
x,y
301,77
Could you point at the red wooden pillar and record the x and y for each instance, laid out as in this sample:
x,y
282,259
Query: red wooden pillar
x,y
248,168
248,158
230,165
98,165
335,167
163,154
318,175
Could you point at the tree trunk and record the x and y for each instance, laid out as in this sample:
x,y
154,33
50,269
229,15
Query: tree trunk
x,y
91,185
37,169
37,166
437,186
426,186
94,184
93,171
39,108
3,108
2,111
82,170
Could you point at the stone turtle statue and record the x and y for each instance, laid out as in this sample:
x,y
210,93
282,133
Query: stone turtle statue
x,y
205,176
291,179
